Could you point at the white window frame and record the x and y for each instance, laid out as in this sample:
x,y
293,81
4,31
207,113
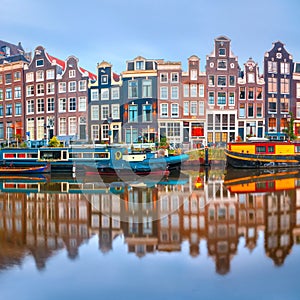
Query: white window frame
x,y
164,113
164,92
62,87
72,86
94,112
82,104
105,94
94,95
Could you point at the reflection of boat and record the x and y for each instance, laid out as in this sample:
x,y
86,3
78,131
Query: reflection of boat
x,y
260,181
263,154
24,170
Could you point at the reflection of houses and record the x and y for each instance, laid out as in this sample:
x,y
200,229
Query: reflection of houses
x,y
279,220
139,219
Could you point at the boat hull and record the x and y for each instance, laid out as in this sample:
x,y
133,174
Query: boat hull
x,y
257,161
24,170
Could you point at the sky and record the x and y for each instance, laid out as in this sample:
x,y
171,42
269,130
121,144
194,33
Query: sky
x,y
120,30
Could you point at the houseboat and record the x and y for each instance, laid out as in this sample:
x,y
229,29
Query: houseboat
x,y
262,153
106,159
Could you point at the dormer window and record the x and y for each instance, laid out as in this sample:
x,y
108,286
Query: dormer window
x,y
139,65
39,62
222,64
104,79
72,73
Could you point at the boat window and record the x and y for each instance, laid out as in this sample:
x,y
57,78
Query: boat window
x,y
297,149
88,155
260,149
101,155
75,155
271,149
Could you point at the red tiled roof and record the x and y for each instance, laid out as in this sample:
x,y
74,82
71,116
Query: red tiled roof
x,y
116,77
91,75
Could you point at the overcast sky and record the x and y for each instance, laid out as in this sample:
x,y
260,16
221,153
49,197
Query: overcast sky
x,y
120,30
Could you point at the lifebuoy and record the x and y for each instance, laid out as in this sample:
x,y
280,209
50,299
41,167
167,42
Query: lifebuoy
x,y
118,155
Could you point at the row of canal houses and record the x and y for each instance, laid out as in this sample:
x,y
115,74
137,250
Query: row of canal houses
x,y
42,96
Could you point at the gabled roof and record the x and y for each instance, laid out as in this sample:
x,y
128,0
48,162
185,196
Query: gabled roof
x,y
14,49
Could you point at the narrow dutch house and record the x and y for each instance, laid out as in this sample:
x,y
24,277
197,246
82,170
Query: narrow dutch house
x,y
278,68
250,102
105,106
13,59
222,71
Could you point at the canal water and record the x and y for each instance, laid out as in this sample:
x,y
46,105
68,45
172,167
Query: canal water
x,y
207,233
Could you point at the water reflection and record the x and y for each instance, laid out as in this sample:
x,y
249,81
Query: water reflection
x,y
41,215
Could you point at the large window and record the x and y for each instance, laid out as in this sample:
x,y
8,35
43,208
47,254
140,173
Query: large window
x,y
50,105
259,93
72,104
250,110
50,74
284,105
62,105
284,86
40,105
186,90
94,94
221,80
222,64
104,112
221,98
163,92
72,86
40,89
211,80
164,110
18,92
62,126
185,108
95,132
8,94
193,108
115,111
82,104
173,130
30,107
272,67
174,110
242,110
72,126
82,85
115,93
211,98
147,113
94,112
147,88
284,68
201,90
174,92
105,94
164,77
62,87
8,110
193,90
40,75
133,113
132,89
231,98
259,110
272,85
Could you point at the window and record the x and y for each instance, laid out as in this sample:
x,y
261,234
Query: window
x,y
104,94
1,94
72,104
231,80
222,64
94,112
173,130
40,75
272,85
72,125
104,79
147,113
115,93
50,104
258,110
259,93
284,68
147,88
8,110
8,78
95,132
1,110
140,65
82,85
193,108
40,89
211,80
222,51
132,89
50,74
18,92
284,86
30,107
18,109
29,77
72,73
211,98
272,67
62,126
8,94
272,105
250,110
17,76
194,74
193,90
242,93
94,95
72,86
272,123
201,108
185,108
242,110
1,78
163,110
174,92
298,110
133,113
50,88
174,110
231,98
186,90
163,92
164,77
250,93
221,80
105,131
174,77
62,105
221,98
82,104
251,78
104,112
39,62
62,87
284,105
40,105
201,90
115,111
